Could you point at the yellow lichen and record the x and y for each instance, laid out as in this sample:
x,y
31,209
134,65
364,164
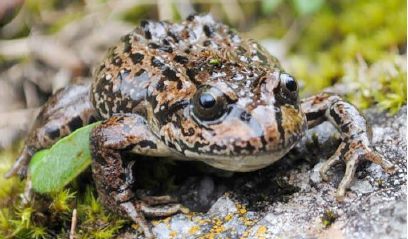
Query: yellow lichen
x,y
217,221
260,233
241,208
173,234
193,230
247,222
245,235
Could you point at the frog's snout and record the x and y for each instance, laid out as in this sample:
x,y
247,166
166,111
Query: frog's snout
x,y
266,129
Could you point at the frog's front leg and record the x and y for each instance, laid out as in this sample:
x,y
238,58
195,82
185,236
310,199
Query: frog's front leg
x,y
355,145
113,175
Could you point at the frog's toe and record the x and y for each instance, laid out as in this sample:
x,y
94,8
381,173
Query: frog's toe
x,y
136,215
351,166
333,160
162,211
380,160
158,200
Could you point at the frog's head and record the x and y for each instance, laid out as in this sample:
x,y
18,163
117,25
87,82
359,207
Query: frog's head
x,y
235,108
239,121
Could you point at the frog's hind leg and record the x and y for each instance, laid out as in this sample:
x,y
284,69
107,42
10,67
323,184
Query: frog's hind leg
x,y
355,145
113,174
67,110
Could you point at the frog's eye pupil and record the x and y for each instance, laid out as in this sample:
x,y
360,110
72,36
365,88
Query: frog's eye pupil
x,y
208,104
290,82
207,100
291,85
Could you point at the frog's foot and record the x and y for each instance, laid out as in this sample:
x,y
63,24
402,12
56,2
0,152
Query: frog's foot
x,y
352,153
138,210
354,133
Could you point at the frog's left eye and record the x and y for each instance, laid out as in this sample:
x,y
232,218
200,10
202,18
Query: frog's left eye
x,y
209,103
289,81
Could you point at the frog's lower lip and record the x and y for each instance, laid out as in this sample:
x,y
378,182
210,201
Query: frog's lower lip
x,y
244,161
240,163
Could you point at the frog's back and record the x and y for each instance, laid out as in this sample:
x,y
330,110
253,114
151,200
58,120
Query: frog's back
x,y
162,64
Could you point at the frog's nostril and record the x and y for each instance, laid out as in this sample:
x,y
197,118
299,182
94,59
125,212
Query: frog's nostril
x,y
245,116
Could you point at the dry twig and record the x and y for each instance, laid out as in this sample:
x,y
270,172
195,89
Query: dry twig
x,y
73,224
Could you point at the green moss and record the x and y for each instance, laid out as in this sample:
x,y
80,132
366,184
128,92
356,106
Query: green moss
x,y
383,83
9,188
62,201
48,216
107,232
21,223
328,218
90,206
39,233
393,93
96,222
347,40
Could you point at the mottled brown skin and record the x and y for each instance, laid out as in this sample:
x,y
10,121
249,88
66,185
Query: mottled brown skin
x,y
192,91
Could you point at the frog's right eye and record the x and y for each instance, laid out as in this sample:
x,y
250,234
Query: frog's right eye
x,y
209,104
287,91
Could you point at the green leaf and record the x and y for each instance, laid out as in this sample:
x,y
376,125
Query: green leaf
x,y
52,169
304,7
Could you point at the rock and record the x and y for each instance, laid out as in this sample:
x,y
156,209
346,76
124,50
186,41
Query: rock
x,y
289,199
222,207
315,174
161,230
362,187
380,218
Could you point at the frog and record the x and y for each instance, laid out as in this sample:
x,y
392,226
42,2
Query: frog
x,y
192,91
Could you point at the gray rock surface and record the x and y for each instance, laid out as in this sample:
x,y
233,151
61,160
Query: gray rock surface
x,y
289,199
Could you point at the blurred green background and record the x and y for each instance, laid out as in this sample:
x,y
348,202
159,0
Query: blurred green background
x,y
354,48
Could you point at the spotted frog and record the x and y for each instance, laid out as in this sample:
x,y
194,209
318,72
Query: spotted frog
x,y
191,91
